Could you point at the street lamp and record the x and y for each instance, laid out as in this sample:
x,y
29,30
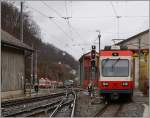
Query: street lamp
x,y
99,37
118,24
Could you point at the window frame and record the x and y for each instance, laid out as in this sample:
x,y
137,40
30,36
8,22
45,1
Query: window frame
x,y
115,76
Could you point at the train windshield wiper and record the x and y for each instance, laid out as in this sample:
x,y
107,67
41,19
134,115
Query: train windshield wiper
x,y
115,62
106,60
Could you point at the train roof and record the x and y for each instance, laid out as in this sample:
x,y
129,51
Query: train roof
x,y
116,52
109,53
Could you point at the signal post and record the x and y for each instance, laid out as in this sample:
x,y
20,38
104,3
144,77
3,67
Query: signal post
x,y
93,62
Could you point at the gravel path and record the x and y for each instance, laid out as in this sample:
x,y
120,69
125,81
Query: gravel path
x,y
135,108
85,105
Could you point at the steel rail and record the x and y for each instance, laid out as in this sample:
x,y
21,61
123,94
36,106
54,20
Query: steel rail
x,y
29,100
118,110
59,105
74,104
65,101
32,110
101,111
104,110
42,108
56,110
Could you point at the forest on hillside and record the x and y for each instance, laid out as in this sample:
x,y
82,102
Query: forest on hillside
x,y
48,55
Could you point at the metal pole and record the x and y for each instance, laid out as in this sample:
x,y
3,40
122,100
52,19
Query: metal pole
x,y
21,22
21,34
36,66
31,81
139,59
118,26
99,37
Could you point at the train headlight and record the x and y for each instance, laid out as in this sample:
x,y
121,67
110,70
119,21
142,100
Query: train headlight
x,y
105,83
125,83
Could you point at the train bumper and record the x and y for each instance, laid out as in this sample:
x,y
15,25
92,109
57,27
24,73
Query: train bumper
x,y
116,91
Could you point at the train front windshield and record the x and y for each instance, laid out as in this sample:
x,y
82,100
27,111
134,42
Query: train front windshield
x,y
115,67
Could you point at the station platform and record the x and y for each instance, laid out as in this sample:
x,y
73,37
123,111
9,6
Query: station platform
x,y
32,94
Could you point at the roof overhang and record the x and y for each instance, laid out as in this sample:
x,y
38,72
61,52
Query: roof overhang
x,y
5,44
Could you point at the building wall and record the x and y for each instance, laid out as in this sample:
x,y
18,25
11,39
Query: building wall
x,y
134,45
12,67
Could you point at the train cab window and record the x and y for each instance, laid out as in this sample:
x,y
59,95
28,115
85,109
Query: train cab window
x,y
115,67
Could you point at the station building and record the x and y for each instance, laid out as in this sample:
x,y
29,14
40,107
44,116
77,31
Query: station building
x,y
12,65
139,44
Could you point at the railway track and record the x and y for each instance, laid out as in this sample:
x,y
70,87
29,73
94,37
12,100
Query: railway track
x,y
66,108
33,111
29,100
42,106
109,110
28,106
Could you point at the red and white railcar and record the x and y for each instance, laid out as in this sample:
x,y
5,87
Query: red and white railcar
x,y
44,83
116,73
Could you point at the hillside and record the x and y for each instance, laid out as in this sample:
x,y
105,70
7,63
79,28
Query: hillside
x,y
49,56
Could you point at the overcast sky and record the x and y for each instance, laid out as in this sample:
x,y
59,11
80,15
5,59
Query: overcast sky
x,y
78,33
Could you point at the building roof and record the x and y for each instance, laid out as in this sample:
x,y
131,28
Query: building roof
x,y
130,38
9,40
